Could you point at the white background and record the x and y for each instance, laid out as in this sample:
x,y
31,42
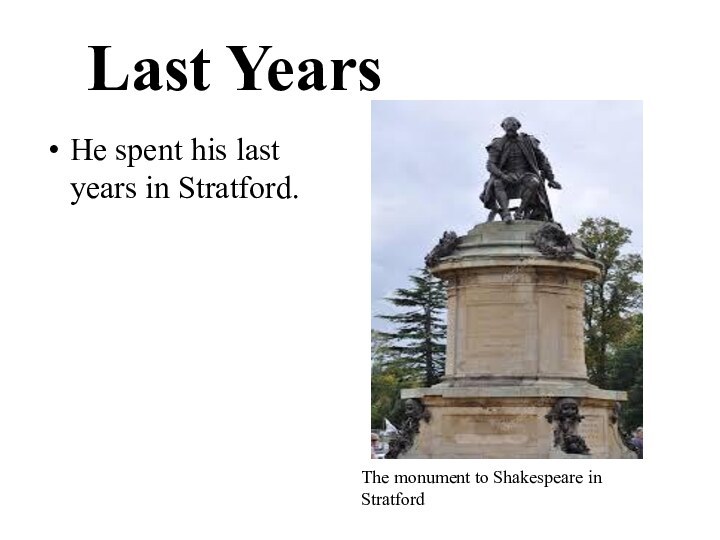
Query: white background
x,y
199,369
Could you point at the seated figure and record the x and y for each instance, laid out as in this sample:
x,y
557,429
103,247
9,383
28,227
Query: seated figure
x,y
518,169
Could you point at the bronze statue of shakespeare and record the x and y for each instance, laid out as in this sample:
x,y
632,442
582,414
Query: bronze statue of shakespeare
x,y
518,170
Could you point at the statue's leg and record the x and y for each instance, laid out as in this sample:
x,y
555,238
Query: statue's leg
x,y
529,198
502,199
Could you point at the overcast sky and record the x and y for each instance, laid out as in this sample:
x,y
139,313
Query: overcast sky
x,y
428,168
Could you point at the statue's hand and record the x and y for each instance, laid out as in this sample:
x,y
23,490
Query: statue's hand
x,y
553,184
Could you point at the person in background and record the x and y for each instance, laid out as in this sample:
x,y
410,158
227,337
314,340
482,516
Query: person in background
x,y
374,440
637,441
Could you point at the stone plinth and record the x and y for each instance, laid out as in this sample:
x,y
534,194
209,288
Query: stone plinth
x,y
515,347
510,422
513,314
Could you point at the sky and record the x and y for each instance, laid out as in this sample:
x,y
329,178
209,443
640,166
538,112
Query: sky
x,y
428,169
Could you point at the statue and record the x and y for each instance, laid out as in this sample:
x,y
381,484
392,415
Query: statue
x,y
551,241
566,416
414,412
518,169
447,244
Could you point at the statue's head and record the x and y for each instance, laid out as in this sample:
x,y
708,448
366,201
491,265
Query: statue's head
x,y
511,125
567,408
412,407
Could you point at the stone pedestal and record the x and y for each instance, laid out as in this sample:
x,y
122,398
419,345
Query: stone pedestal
x,y
515,347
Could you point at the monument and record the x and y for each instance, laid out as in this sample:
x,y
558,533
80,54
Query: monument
x,y
515,383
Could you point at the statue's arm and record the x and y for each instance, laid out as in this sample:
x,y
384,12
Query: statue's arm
x,y
547,170
544,164
493,162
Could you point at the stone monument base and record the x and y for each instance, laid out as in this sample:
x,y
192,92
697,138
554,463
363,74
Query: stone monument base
x,y
515,382
511,421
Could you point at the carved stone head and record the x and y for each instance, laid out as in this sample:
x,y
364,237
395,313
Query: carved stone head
x,y
413,408
567,408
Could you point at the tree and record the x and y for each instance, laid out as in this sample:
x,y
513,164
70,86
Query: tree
x,y
386,380
418,342
625,373
612,300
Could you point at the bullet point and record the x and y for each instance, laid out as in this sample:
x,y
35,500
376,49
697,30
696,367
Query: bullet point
x,y
53,148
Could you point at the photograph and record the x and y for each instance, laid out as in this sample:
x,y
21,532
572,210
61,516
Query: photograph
x,y
507,312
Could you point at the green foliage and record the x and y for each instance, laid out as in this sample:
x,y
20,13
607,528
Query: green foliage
x,y
625,373
385,383
385,398
612,300
418,341
413,354
613,316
